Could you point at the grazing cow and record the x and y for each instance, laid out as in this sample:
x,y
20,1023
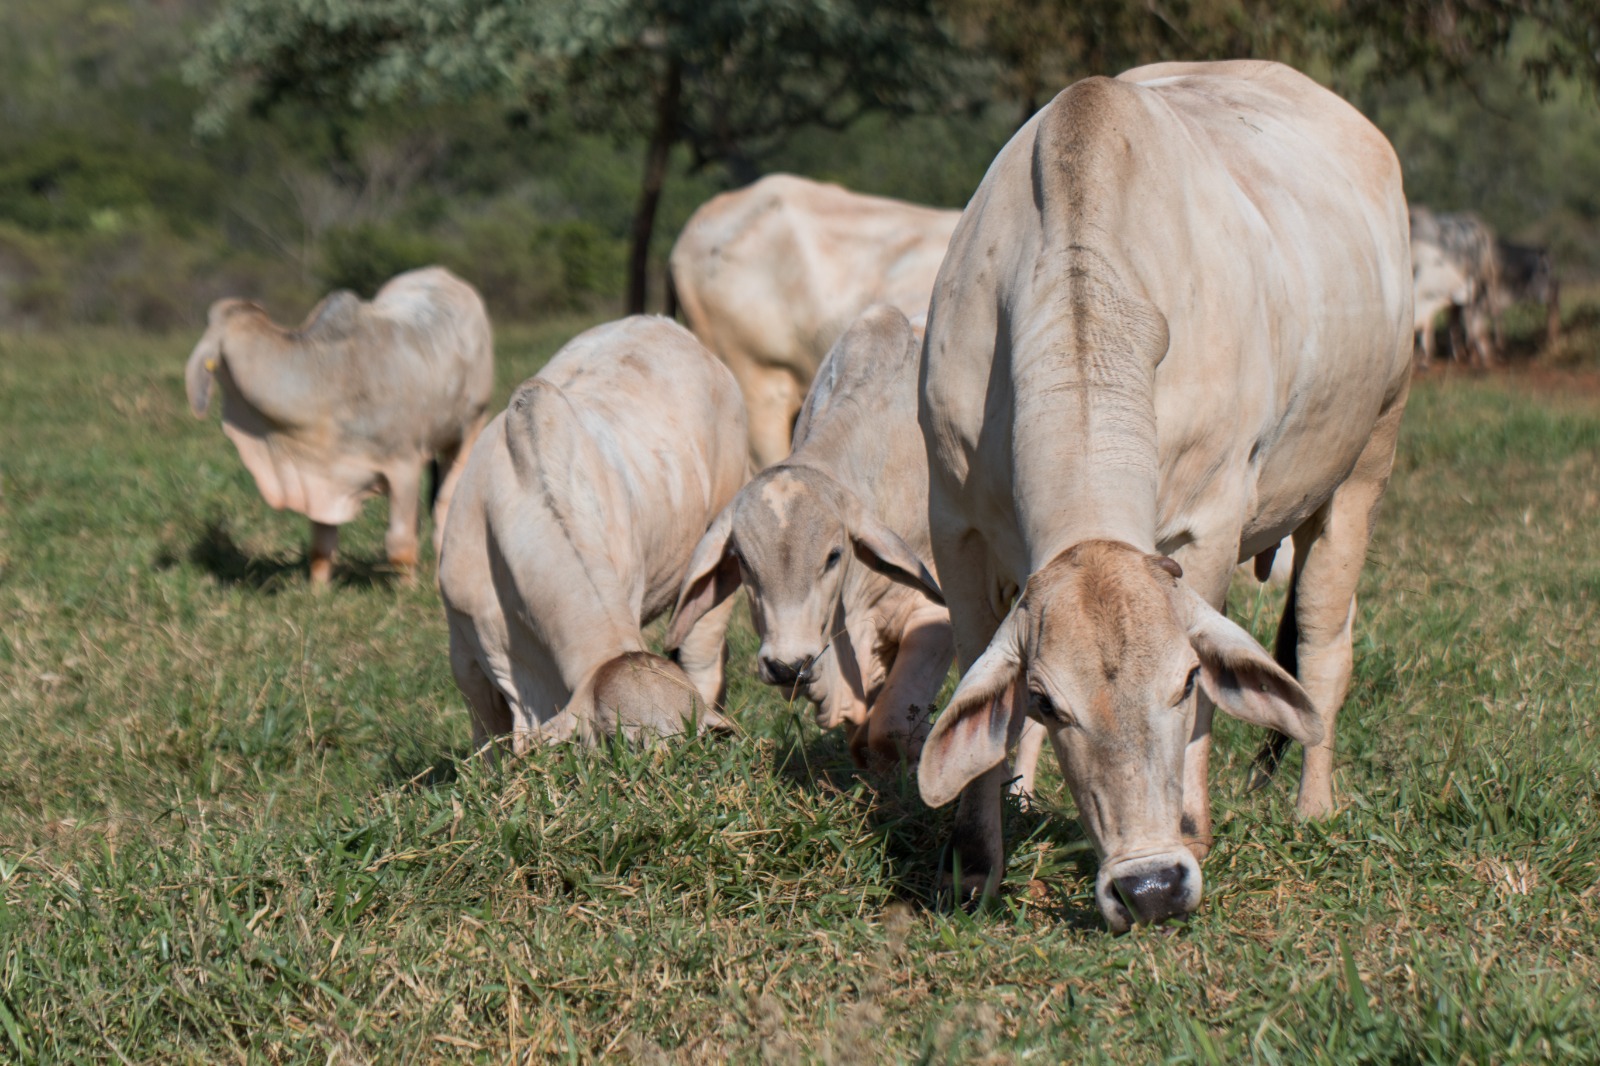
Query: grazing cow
x,y
354,402
831,543
1528,275
573,523
1454,266
1174,327
767,276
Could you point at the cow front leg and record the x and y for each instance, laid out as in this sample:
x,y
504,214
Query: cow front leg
x,y
324,542
899,719
975,860
703,654
1208,564
400,541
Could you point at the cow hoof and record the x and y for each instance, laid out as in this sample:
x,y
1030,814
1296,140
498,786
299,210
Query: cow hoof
x,y
321,574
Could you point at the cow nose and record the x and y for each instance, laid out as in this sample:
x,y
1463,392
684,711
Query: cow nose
x,y
1156,895
779,672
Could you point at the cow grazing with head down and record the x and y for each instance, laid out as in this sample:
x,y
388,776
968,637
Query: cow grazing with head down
x,y
572,526
830,545
353,403
1173,328
769,275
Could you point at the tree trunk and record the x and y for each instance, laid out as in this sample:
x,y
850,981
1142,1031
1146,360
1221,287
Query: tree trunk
x,y
662,138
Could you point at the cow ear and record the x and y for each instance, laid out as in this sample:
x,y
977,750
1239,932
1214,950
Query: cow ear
x,y
712,577
971,736
1242,679
198,373
883,550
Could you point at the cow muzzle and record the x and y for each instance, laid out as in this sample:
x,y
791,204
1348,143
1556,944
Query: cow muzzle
x,y
1149,889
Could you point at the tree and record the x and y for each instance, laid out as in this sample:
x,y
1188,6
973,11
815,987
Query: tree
x,y
729,79
1042,45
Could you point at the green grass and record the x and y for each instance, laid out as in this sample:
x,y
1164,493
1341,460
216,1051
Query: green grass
x,y
234,826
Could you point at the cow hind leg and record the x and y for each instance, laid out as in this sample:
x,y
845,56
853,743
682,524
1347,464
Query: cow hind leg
x,y
1333,547
448,464
773,398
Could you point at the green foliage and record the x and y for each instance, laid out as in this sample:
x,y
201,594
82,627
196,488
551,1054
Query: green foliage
x,y
751,70
361,258
236,828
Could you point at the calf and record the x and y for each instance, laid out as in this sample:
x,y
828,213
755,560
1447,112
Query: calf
x,y
573,525
831,543
352,403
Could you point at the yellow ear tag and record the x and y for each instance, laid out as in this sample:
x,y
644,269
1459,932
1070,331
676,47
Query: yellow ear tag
x,y
211,365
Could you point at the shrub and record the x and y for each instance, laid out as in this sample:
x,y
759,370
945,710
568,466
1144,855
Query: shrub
x,y
361,258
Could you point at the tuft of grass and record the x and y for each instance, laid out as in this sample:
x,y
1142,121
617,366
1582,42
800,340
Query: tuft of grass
x,y
236,822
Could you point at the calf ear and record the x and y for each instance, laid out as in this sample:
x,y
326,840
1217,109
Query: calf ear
x,y
197,374
883,550
1242,679
971,736
712,577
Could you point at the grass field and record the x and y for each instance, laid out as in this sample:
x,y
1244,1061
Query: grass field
x,y
234,826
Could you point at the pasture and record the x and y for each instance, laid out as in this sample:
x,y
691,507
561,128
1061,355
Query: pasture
x,y
235,825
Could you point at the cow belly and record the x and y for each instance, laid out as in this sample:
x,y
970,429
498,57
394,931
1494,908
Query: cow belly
x,y
295,482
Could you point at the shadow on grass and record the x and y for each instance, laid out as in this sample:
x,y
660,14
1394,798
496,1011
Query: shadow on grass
x,y
215,551
915,837
425,768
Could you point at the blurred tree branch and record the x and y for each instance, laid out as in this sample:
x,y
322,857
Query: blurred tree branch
x,y
728,79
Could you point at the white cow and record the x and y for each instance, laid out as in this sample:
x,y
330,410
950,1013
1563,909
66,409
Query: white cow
x,y
769,275
354,402
573,523
1174,327
831,543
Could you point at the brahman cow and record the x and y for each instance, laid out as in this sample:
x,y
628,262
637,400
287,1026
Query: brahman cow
x,y
1454,266
572,527
831,545
353,403
769,275
1174,327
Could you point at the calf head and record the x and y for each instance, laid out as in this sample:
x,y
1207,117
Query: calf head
x,y
790,537
637,694
1110,647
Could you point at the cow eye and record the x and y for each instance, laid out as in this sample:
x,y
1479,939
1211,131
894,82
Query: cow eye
x,y
1188,684
1044,707
833,559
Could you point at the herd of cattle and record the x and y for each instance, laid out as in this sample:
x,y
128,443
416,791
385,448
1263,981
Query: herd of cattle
x,y
1173,328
